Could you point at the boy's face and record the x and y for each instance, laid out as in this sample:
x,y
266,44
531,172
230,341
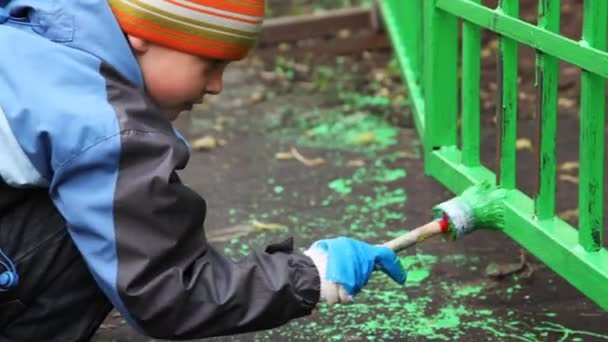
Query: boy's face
x,y
176,80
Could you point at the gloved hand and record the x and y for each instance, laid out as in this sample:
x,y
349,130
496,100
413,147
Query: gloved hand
x,y
346,264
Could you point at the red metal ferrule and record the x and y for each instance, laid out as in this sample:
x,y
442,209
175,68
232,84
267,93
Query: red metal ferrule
x,y
444,223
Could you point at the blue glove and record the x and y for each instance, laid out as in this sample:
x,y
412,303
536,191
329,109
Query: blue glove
x,y
350,263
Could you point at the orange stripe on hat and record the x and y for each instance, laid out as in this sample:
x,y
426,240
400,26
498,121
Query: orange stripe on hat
x,y
148,28
224,30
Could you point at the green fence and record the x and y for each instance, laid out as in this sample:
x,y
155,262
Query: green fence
x,y
425,37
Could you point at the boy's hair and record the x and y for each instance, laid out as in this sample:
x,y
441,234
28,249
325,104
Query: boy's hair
x,y
216,29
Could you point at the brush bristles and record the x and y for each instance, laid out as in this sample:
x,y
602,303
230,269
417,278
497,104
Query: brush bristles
x,y
480,206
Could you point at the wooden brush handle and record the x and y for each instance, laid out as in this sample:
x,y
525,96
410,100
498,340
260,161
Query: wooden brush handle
x,y
412,237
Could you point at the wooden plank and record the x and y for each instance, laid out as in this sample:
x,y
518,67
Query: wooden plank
x,y
363,41
292,28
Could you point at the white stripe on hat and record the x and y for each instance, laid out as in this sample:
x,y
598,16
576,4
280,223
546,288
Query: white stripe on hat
x,y
188,15
220,11
202,17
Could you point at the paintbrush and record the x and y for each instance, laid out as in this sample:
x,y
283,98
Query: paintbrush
x,y
479,206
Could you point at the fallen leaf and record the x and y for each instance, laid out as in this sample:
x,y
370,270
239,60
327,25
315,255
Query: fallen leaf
x,y
229,233
564,102
345,33
302,68
257,97
499,271
356,163
568,166
365,138
408,155
494,270
205,143
568,178
524,144
268,76
486,52
283,155
489,48
304,160
267,226
569,215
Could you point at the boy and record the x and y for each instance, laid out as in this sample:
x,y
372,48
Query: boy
x,y
92,212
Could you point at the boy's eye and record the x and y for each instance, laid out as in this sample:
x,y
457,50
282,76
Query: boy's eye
x,y
215,63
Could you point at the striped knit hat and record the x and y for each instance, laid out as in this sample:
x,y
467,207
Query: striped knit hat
x,y
219,29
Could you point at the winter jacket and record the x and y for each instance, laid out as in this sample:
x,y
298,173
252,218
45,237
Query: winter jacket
x,y
74,118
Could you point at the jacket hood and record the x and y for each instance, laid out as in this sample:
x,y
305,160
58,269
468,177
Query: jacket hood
x,y
88,26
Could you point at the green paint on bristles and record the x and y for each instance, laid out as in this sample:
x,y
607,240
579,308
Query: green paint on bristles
x,y
487,204
480,206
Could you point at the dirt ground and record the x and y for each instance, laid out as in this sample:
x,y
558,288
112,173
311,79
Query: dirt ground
x,y
348,120
370,191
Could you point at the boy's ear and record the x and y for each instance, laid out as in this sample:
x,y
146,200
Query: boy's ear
x,y
137,44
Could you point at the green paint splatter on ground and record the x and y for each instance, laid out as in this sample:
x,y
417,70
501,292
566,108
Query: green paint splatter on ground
x,y
365,176
428,308
278,189
348,130
468,291
332,129
391,175
415,277
342,186
568,334
419,268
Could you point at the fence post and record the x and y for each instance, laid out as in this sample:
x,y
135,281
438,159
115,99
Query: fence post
x,y
593,92
547,74
507,101
440,78
471,79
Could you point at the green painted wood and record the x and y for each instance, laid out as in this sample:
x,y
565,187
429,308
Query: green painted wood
x,y
507,107
547,82
413,32
550,43
591,172
407,46
471,73
574,254
440,77
553,241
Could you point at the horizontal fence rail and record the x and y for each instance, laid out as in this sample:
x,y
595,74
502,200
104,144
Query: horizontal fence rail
x,y
424,34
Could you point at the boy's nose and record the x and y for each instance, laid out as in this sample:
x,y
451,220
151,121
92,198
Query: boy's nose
x,y
215,85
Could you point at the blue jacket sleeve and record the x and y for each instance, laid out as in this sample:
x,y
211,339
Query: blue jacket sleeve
x,y
140,231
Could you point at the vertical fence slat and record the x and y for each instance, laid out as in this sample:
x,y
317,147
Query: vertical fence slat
x,y
592,119
471,71
412,32
546,99
404,24
440,77
507,95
